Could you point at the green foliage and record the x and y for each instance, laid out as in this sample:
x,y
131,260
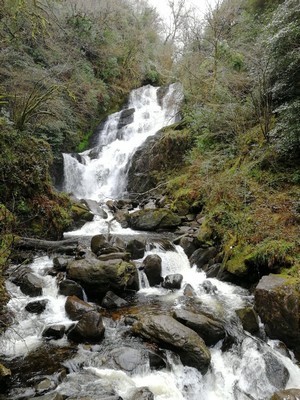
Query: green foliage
x,y
284,71
272,254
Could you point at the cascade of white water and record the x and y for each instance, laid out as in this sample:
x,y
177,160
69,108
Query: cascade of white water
x,y
100,173
25,334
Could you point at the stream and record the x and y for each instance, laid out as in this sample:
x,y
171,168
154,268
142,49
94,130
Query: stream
x,y
124,366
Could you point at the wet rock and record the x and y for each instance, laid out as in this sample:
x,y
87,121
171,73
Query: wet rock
x,y
202,257
169,333
189,291
277,301
36,307
45,384
277,374
249,319
143,394
150,220
210,329
97,277
121,217
156,361
152,269
60,263
54,332
209,287
127,359
45,360
136,248
76,308
172,281
189,245
288,394
94,207
98,242
68,287
29,283
85,386
213,270
89,328
126,117
111,300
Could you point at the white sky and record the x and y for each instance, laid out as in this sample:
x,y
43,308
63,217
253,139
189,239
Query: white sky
x,y
199,5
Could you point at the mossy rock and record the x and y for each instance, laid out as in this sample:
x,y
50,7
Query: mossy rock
x,y
277,301
150,220
80,215
247,261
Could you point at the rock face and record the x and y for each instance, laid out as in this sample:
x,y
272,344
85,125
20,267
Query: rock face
x,y
139,179
97,277
151,220
169,333
277,301
210,330
152,268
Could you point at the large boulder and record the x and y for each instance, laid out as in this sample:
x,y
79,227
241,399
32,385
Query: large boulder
x,y
151,220
277,301
171,334
210,329
97,277
152,269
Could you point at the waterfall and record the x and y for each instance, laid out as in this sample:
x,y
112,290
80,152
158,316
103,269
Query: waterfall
x,y
100,173
246,369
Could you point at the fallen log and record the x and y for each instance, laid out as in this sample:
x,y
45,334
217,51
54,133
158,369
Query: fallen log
x,y
66,246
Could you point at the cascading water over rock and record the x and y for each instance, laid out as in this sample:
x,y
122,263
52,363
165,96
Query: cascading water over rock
x,y
100,173
120,365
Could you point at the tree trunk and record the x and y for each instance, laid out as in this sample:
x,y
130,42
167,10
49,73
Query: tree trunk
x,y
67,246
